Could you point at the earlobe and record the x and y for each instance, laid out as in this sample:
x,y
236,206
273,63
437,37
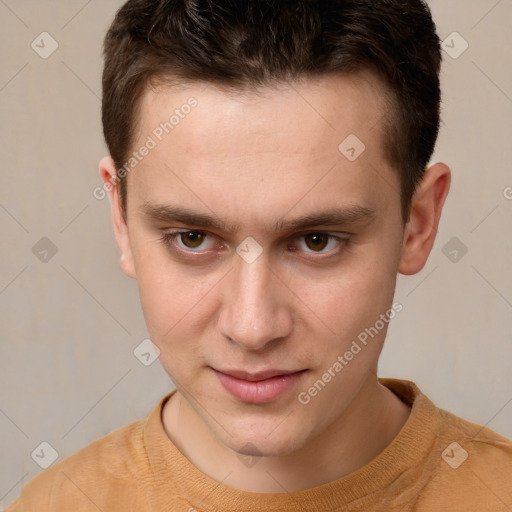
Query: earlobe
x,y
108,174
127,266
421,228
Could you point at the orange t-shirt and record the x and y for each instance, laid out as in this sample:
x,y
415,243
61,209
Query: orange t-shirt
x,y
437,462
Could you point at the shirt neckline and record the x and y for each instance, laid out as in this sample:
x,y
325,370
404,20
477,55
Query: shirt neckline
x,y
176,479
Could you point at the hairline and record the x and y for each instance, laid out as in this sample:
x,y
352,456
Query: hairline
x,y
166,79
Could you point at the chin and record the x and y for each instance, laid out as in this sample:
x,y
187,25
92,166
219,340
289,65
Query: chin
x,y
263,441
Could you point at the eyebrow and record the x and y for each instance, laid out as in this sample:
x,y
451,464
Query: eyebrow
x,y
332,217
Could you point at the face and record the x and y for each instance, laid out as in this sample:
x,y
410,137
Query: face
x,y
261,248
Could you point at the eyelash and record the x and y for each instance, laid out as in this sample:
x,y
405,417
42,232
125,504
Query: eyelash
x,y
168,239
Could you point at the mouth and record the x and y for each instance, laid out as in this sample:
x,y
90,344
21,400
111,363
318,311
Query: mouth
x,y
259,387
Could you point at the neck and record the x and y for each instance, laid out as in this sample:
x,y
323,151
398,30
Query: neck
x,y
366,428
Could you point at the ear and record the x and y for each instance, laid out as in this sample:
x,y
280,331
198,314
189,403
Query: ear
x,y
421,228
111,184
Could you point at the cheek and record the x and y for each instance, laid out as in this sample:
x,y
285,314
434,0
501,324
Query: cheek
x,y
172,303
171,296
175,317
346,302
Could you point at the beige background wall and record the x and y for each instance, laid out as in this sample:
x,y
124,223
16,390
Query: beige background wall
x,y
70,324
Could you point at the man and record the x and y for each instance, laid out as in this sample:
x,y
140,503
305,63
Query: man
x,y
268,179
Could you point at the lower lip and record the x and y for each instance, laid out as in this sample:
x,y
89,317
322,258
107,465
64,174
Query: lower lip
x,y
258,392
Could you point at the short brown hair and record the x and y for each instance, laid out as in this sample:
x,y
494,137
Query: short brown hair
x,y
250,43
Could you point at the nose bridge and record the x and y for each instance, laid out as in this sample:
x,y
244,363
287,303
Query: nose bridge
x,y
253,311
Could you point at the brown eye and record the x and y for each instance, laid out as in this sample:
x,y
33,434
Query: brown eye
x,y
317,241
192,239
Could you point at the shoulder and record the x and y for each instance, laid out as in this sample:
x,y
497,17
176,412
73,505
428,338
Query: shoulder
x,y
107,468
465,466
479,441
473,467
478,446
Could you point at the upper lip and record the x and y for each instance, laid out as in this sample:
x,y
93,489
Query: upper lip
x,y
256,376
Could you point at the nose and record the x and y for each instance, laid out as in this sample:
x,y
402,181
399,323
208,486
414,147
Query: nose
x,y
256,306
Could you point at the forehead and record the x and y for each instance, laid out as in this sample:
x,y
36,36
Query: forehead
x,y
247,150
297,116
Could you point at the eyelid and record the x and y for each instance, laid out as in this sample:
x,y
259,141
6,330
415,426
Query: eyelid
x,y
341,238
169,239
